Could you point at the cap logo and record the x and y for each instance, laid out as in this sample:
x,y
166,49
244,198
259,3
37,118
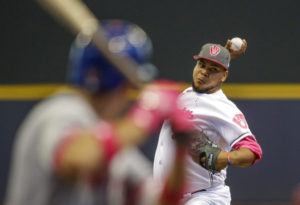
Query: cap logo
x,y
214,50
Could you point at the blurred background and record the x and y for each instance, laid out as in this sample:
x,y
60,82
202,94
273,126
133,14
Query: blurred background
x,y
34,51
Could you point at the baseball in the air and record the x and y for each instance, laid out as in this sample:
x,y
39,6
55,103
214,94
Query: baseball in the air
x,y
236,43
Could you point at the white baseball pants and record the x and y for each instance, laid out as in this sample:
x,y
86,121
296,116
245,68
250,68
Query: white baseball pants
x,y
219,195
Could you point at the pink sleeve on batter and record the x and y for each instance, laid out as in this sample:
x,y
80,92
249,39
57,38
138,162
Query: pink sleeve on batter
x,y
250,143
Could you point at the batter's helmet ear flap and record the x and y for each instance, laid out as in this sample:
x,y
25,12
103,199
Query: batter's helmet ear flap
x,y
92,79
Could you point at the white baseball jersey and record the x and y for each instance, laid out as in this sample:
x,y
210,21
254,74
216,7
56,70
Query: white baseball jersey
x,y
32,179
219,119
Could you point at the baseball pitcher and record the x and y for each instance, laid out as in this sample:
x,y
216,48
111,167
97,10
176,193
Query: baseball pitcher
x,y
225,138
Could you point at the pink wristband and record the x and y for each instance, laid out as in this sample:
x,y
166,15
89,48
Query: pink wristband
x,y
106,135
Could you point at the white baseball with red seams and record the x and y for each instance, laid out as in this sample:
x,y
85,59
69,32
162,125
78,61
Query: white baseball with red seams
x,y
236,43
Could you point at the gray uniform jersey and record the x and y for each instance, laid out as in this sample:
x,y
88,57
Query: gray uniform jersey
x,y
32,179
130,179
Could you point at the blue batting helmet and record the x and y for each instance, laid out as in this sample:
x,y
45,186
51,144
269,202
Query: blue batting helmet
x,y
89,68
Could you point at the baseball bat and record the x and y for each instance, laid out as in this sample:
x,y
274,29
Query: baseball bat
x,y
82,22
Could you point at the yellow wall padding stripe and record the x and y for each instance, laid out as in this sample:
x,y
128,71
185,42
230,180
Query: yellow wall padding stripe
x,y
262,91
27,92
232,90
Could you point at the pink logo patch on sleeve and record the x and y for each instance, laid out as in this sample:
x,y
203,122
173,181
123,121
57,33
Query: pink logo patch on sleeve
x,y
214,50
188,113
240,120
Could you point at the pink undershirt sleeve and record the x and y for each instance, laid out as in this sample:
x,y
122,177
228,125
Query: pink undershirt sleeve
x,y
250,143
